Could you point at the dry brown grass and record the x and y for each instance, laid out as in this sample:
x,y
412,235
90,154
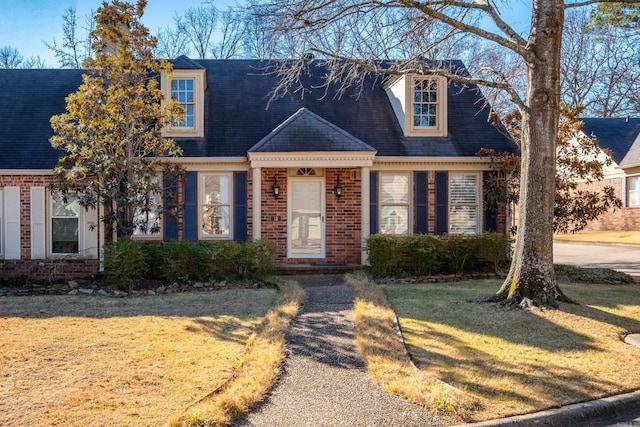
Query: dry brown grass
x,y
257,374
387,360
625,237
94,361
516,361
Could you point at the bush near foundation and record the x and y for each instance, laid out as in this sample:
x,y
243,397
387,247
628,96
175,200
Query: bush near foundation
x,y
424,255
128,261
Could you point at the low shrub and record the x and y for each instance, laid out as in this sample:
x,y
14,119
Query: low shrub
x,y
427,254
385,253
182,258
124,263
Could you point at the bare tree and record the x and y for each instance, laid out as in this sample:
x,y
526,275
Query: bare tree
x,y
231,29
198,24
531,279
171,43
75,49
10,57
600,68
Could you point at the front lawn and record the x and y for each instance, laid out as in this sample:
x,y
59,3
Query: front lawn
x,y
517,361
78,360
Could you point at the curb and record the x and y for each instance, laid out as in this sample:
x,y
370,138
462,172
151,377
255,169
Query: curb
x,y
573,415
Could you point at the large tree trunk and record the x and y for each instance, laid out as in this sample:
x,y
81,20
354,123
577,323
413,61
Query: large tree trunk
x,y
531,280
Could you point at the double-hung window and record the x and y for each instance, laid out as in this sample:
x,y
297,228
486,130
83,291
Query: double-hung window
x,y
215,192
464,205
182,90
425,103
394,203
633,191
65,221
188,88
426,111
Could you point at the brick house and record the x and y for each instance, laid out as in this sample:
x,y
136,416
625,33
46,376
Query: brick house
x,y
622,137
315,174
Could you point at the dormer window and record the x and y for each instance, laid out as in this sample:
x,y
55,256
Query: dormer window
x,y
425,103
420,103
187,87
182,90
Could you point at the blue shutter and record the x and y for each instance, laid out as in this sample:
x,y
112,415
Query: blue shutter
x,y
421,203
240,206
490,214
190,218
442,202
373,203
170,200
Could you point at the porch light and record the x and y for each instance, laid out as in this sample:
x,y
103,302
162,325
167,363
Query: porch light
x,y
338,188
275,187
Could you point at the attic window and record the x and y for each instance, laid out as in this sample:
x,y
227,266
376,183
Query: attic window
x,y
188,88
426,106
182,90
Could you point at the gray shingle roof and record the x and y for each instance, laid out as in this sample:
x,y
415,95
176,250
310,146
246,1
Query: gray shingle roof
x,y
615,134
306,131
238,115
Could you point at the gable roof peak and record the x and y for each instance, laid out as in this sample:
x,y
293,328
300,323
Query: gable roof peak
x,y
183,62
305,131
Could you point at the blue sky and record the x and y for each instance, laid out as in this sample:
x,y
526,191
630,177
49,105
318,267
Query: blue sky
x,y
26,24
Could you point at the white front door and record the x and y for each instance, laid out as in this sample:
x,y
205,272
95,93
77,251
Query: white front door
x,y
306,233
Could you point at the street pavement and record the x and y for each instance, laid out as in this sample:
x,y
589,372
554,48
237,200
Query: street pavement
x,y
625,258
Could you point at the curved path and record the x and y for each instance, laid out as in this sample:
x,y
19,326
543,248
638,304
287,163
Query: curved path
x,y
324,381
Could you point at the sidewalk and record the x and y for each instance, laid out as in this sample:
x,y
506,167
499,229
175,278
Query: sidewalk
x,y
324,381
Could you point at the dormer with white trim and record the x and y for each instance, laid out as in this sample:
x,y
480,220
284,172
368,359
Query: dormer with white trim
x,y
420,104
186,84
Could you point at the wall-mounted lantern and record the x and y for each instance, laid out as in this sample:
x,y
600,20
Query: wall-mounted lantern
x,y
275,187
337,190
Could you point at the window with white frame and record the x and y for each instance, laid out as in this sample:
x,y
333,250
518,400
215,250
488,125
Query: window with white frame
x,y
65,224
188,88
182,90
394,203
148,220
427,106
215,191
633,191
464,196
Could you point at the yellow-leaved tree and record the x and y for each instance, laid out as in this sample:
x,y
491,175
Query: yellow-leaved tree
x,y
112,129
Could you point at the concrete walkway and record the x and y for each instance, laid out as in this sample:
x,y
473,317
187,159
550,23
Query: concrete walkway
x,y
324,381
625,258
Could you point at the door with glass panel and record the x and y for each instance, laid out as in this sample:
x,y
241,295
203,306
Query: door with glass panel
x,y
306,233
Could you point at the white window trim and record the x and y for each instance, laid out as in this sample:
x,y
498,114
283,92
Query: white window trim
x,y
441,128
198,77
200,206
628,195
478,203
410,207
50,232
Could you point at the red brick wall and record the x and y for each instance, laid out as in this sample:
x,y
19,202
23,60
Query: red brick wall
x,y
625,219
62,268
342,219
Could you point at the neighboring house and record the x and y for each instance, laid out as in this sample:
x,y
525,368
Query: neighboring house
x,y
315,174
622,137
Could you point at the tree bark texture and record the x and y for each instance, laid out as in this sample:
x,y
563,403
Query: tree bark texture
x,y
531,279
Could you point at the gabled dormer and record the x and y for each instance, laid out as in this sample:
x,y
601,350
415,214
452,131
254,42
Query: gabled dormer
x,y
187,85
420,104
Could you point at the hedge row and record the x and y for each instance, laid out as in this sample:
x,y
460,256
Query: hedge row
x,y
128,261
423,254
